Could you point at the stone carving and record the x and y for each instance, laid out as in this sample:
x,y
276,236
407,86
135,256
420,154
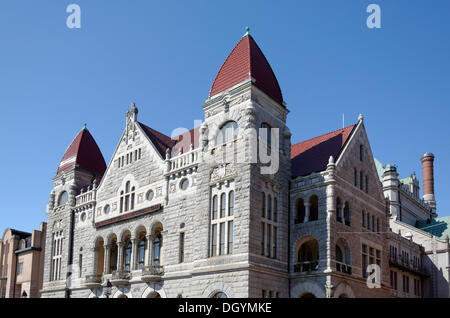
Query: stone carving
x,y
223,172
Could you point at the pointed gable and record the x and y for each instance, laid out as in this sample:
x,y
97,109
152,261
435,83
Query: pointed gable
x,y
312,155
247,60
84,153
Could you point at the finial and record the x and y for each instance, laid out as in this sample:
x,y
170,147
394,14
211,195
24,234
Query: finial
x,y
85,127
360,117
331,160
247,31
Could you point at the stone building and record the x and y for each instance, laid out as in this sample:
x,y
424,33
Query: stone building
x,y
22,263
227,209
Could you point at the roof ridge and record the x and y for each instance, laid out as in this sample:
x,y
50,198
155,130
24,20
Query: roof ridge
x,y
328,133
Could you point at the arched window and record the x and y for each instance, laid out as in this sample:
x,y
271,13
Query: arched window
x,y
222,205
231,203
347,215
127,256
269,207
127,198
300,211
314,208
308,256
343,257
338,210
263,205
63,197
157,243
214,207
141,252
229,131
113,256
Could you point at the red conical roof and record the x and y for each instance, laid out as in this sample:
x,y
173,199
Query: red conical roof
x,y
247,60
83,152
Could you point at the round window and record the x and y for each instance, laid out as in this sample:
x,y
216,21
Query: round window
x,y
184,184
150,195
107,209
83,216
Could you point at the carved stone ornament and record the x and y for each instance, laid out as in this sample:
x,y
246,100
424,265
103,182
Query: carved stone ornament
x,y
223,172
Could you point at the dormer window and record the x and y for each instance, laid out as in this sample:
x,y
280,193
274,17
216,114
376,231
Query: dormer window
x,y
228,132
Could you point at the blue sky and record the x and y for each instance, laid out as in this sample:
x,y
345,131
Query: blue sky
x,y
164,55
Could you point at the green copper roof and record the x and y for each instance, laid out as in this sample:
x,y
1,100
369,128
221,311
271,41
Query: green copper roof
x,y
406,180
439,227
380,168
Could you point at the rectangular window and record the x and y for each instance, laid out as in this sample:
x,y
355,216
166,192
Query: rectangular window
x,y
373,223
361,153
269,239
214,207
275,210
20,269
139,153
356,177
222,239
363,219
263,293
214,240
263,208
55,273
231,203
263,237
80,265
222,205
378,225
181,258
361,183
367,184
230,237
269,207
274,255
364,260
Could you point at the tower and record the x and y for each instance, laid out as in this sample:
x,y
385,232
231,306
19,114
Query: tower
x,y
81,168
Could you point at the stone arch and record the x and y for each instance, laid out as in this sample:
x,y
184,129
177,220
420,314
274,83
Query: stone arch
x,y
343,290
216,287
124,234
155,225
110,237
308,288
158,289
138,230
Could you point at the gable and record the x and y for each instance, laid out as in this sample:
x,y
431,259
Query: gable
x,y
312,155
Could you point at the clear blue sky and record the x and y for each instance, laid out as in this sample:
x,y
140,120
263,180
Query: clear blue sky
x,y
164,56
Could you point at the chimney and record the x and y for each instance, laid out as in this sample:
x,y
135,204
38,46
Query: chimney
x,y
428,179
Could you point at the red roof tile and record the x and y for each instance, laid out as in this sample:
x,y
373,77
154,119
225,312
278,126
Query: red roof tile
x,y
244,61
83,152
163,142
312,155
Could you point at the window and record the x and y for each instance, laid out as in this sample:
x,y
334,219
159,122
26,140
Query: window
x,y
378,225
373,223
367,184
275,210
405,283
266,136
127,256
157,242
80,265
57,246
300,211
181,259
231,203
347,214
269,228
263,237
314,208
222,224
107,209
338,210
361,153
368,221
363,218
269,207
263,208
20,269
150,195
394,280
228,132
356,177
361,180
63,197
127,198
184,184
141,252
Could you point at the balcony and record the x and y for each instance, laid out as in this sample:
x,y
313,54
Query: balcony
x,y
406,264
120,278
152,273
306,267
343,268
93,281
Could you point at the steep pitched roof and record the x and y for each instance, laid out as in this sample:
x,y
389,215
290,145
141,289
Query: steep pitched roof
x,y
83,152
439,227
312,155
247,60
162,142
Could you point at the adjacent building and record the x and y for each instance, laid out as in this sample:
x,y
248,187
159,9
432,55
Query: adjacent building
x,y
22,263
232,209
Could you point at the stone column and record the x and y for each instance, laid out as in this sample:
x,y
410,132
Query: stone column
x,y
120,256
330,206
149,249
106,259
307,206
134,260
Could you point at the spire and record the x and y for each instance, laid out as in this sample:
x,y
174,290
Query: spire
x,y
83,153
246,61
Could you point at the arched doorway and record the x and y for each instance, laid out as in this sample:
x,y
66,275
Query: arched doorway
x,y
307,295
